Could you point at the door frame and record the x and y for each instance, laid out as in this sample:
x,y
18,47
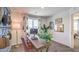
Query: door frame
x,y
72,31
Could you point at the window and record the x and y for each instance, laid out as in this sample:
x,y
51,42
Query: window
x,y
32,23
75,25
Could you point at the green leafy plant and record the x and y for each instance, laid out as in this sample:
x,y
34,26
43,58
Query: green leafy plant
x,y
45,28
44,33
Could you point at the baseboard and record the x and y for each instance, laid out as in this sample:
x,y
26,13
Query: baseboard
x,y
62,44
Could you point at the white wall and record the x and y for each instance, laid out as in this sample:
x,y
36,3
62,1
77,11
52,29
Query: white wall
x,y
66,36
63,37
45,20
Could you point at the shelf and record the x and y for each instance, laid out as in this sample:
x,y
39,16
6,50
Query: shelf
x,y
4,27
8,26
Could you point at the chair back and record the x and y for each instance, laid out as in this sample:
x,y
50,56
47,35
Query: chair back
x,y
24,43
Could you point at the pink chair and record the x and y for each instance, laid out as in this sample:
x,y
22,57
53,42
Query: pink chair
x,y
26,44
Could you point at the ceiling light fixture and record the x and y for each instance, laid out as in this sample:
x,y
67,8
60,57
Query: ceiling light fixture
x,y
42,7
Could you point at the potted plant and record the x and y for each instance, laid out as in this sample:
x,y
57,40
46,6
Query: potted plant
x,y
44,33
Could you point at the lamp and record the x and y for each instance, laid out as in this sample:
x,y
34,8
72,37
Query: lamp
x,y
16,26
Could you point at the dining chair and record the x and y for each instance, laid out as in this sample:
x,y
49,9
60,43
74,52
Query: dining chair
x,y
26,44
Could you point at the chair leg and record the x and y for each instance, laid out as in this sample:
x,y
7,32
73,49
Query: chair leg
x,y
47,48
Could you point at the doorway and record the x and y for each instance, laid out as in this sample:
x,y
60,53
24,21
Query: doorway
x,y
75,29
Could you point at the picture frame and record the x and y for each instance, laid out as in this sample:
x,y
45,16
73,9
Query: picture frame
x,y
58,21
59,27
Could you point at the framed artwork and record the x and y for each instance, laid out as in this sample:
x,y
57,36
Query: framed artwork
x,y
58,21
59,27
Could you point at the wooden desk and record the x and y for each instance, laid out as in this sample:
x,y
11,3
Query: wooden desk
x,y
39,45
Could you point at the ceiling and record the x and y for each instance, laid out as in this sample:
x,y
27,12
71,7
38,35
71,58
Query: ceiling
x,y
38,11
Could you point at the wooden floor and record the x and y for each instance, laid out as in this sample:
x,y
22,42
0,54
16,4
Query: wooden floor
x,y
55,47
